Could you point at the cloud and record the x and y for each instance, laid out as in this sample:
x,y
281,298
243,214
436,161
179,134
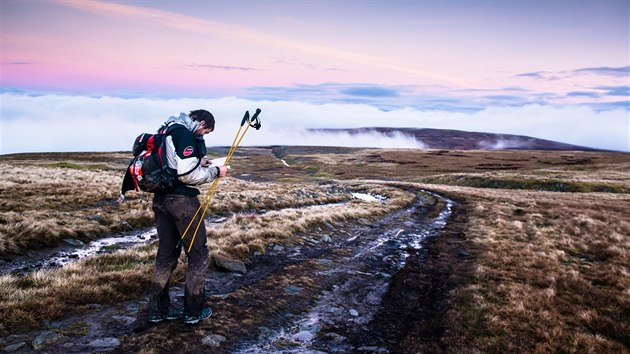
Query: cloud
x,y
391,97
584,94
235,32
18,63
615,90
224,67
370,91
556,75
606,70
79,123
535,75
500,144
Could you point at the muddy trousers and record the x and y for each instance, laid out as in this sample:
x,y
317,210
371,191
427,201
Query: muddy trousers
x,y
172,215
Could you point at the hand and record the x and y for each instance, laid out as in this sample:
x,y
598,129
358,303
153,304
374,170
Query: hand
x,y
222,170
206,163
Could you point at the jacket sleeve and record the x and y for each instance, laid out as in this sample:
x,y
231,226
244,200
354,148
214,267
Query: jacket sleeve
x,y
188,156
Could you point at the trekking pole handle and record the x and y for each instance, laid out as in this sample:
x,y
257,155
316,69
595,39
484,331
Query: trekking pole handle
x,y
256,114
255,122
245,118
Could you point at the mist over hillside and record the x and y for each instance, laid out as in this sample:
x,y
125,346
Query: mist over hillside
x,y
460,140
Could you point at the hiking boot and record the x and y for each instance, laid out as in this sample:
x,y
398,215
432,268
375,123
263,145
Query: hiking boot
x,y
173,314
192,320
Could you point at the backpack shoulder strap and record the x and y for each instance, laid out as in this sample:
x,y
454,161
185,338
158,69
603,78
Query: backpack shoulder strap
x,y
168,129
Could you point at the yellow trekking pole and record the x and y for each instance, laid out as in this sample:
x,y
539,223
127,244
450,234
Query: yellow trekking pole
x,y
254,122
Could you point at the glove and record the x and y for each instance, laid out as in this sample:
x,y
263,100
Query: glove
x,y
222,170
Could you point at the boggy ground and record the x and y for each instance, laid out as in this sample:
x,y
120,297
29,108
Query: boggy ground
x,y
331,297
534,258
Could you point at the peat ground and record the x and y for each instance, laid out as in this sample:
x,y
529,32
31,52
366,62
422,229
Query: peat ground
x,y
326,297
363,288
533,259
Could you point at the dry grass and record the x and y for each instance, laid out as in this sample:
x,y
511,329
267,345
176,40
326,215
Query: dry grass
x,y
551,269
25,301
41,204
44,202
271,213
551,275
243,233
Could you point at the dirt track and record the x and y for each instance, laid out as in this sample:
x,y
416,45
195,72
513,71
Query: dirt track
x,y
377,287
367,291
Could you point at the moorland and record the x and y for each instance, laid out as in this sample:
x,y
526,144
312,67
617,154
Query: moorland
x,y
533,258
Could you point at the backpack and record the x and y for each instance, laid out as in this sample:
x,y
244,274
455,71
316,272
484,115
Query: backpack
x,y
148,170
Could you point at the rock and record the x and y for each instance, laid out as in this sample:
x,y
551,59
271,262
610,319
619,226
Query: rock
x,y
231,265
313,328
14,347
73,241
327,239
45,339
292,289
304,336
354,313
95,217
278,248
127,224
326,262
335,311
108,342
213,340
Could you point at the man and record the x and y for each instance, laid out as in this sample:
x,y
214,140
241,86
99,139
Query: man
x,y
174,211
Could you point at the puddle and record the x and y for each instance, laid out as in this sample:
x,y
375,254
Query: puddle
x,y
76,250
368,197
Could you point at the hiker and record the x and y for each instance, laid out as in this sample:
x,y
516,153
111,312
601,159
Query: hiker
x,y
185,149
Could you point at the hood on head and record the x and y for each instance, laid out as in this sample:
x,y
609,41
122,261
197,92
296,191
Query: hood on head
x,y
184,120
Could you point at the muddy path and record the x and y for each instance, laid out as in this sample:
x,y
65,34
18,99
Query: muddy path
x,y
334,293
313,297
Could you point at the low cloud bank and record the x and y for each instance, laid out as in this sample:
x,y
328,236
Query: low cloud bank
x,y
80,123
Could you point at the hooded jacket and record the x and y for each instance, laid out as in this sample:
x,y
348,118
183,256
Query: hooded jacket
x,y
184,152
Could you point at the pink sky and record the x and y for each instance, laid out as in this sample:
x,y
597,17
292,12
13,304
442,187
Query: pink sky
x,y
556,69
223,48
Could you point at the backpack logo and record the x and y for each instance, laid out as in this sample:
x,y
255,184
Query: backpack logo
x,y
188,151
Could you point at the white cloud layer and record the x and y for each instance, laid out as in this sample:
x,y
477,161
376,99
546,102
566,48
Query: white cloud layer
x,y
80,123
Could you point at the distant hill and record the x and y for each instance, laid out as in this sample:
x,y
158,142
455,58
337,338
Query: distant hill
x,y
462,140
